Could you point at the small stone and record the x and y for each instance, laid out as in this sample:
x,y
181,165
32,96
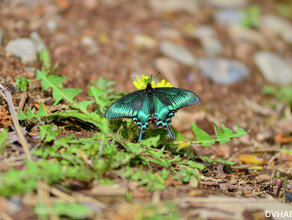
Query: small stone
x,y
263,177
190,6
23,48
223,71
274,68
1,36
177,53
241,34
169,33
145,41
169,68
228,3
212,46
52,25
279,26
228,17
90,4
38,42
90,43
204,31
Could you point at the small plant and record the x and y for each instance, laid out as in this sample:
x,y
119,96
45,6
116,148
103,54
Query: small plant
x,y
283,94
251,17
22,83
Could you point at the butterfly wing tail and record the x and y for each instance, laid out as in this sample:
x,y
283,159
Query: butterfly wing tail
x,y
171,135
140,135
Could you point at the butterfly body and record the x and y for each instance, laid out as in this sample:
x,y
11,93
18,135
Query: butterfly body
x,y
157,105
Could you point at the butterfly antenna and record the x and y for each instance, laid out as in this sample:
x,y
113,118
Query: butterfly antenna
x,y
156,75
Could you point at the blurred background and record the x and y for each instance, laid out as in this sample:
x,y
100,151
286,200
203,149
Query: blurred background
x,y
225,51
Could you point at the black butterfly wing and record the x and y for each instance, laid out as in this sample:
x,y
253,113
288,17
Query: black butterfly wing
x,y
134,105
168,100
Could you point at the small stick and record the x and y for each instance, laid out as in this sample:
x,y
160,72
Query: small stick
x,y
7,96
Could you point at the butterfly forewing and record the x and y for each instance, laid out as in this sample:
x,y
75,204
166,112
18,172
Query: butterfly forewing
x,y
127,106
174,98
134,105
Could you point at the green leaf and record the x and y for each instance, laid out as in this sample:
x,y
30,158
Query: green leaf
x,y
42,111
202,136
223,135
45,59
71,210
67,94
55,82
153,141
83,105
3,137
22,83
47,134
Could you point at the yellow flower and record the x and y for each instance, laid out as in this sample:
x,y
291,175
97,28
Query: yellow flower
x,y
142,83
163,83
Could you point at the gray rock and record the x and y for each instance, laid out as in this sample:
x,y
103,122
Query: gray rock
x,y
273,68
207,35
228,3
190,6
1,36
23,48
228,17
204,31
212,46
90,43
177,53
52,25
38,42
241,34
223,71
279,26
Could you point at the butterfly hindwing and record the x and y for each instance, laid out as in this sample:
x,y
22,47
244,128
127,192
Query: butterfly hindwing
x,y
134,105
167,101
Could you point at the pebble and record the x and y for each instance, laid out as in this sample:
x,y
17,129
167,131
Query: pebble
x,y
223,71
241,34
210,43
228,17
190,6
1,36
38,42
90,43
177,52
145,41
23,48
204,31
273,68
52,25
90,4
169,68
279,26
228,3
212,46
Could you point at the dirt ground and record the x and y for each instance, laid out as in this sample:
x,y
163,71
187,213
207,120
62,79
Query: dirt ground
x,y
225,191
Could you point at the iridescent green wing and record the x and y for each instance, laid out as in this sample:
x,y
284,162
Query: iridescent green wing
x,y
134,105
167,101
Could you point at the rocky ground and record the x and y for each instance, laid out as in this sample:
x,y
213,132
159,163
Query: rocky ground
x,y
225,51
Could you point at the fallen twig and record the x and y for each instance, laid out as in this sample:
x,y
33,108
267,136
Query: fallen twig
x,y
7,96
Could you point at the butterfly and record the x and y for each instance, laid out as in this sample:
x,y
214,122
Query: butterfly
x,y
156,105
